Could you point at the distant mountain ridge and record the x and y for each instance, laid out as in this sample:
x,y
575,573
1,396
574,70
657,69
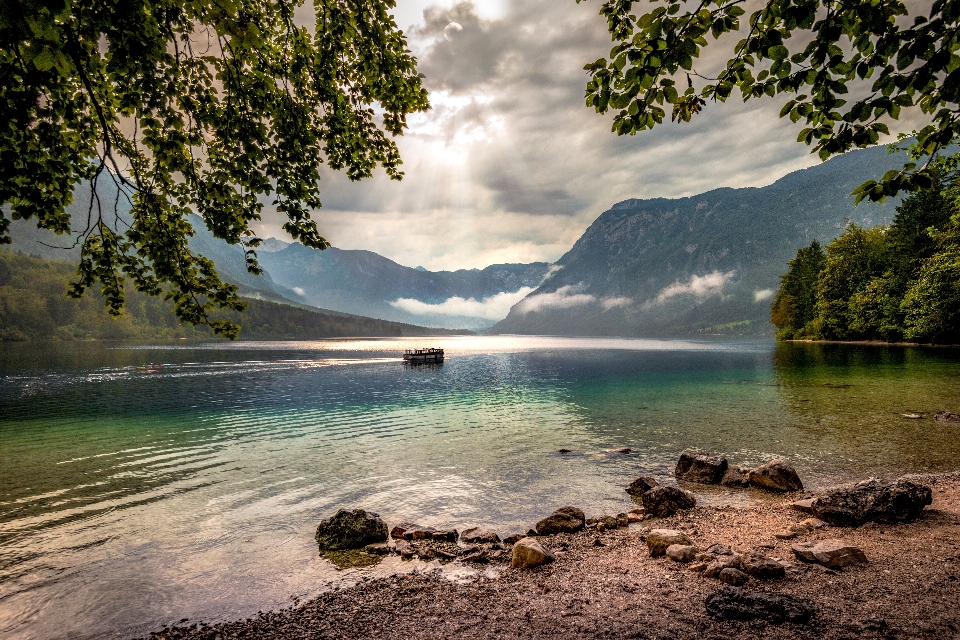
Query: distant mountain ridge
x,y
702,264
366,283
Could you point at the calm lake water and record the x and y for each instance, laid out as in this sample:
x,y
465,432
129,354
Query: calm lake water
x,y
130,499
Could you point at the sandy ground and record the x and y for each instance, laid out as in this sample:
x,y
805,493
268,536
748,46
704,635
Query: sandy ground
x,y
606,585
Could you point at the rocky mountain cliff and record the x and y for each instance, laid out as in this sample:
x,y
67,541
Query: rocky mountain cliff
x,y
705,264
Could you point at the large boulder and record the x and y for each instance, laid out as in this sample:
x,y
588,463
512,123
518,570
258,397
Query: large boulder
x,y
563,520
872,501
350,530
733,603
641,485
528,553
833,554
776,475
666,501
699,466
682,552
659,540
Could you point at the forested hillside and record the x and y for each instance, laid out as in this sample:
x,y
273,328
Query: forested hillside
x,y
33,306
894,283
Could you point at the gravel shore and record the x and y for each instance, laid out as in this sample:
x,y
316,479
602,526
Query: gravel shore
x,y
606,585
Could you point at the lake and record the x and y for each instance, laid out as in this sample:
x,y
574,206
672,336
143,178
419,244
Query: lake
x,y
131,498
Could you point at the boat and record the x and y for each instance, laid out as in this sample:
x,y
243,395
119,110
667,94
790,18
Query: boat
x,y
423,356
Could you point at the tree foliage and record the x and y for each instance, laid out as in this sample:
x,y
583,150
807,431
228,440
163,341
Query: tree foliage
x,y
215,108
885,283
793,306
815,53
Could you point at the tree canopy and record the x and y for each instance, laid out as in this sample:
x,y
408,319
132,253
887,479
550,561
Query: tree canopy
x,y
215,108
885,283
816,53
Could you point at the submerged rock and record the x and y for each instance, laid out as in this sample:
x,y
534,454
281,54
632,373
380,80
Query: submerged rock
x,y
776,475
666,501
350,530
833,554
872,501
529,553
563,520
699,466
736,477
733,603
946,416
641,485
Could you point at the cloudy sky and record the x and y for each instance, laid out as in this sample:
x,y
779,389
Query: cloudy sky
x,y
510,165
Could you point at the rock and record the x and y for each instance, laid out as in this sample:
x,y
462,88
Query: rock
x,y
446,535
659,539
946,416
700,466
477,557
350,530
529,553
561,451
563,520
641,485
733,603
681,552
733,576
398,531
776,475
785,535
623,520
718,549
813,523
513,538
698,566
417,532
833,554
608,522
761,567
736,477
912,416
722,562
477,535
805,505
634,517
872,500
405,549
622,450
765,544
379,549
666,501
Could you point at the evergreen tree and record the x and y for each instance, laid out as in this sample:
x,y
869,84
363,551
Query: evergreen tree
x,y
794,305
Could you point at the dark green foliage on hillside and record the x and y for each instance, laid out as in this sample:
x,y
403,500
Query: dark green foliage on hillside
x,y
900,282
794,305
33,306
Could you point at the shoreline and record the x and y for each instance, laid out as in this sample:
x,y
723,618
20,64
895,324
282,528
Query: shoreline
x,y
605,583
874,343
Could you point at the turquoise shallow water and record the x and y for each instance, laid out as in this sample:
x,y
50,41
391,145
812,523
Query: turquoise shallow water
x,y
132,498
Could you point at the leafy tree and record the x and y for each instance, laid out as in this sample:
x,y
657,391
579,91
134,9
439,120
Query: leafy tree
x,y
794,305
813,51
932,303
205,107
852,260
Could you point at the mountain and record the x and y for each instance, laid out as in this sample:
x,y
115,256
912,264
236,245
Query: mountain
x,y
366,283
698,265
33,306
352,282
